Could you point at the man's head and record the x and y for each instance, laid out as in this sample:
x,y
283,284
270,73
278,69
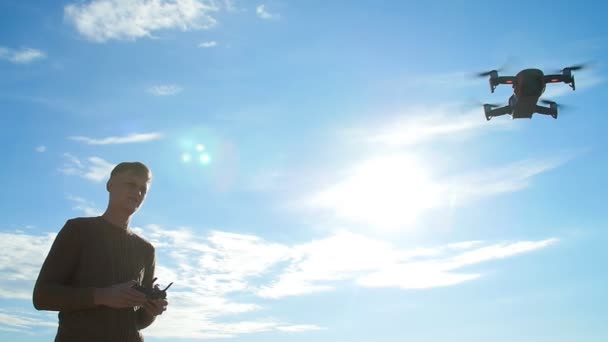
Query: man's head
x,y
128,186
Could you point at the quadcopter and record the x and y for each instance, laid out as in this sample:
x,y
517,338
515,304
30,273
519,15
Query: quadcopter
x,y
528,86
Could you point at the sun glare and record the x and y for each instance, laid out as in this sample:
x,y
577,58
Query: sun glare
x,y
386,192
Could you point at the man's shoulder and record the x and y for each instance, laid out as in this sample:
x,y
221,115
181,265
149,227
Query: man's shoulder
x,y
145,243
82,220
77,223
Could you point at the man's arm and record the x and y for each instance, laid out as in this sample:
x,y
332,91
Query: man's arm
x,y
52,291
144,319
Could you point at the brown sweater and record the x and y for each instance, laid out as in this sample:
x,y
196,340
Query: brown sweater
x,y
89,253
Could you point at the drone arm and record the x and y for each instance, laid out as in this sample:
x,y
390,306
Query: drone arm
x,y
500,111
505,80
496,80
545,110
555,78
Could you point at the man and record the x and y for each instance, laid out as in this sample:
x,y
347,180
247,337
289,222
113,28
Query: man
x,y
93,264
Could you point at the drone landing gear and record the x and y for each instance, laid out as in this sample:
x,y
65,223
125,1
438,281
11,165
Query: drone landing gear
x,y
572,85
551,110
491,112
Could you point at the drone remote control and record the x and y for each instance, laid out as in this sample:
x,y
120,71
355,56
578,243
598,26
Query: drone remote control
x,y
153,293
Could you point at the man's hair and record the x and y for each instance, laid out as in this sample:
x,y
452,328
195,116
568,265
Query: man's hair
x,y
137,168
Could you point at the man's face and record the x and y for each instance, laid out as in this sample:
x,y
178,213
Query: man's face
x,y
128,191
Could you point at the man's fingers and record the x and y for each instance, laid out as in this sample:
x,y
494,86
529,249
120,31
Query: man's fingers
x,y
133,297
135,294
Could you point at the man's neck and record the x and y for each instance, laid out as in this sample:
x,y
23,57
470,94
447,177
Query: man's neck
x,y
117,219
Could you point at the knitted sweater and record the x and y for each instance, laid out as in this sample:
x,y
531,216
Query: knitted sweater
x,y
91,253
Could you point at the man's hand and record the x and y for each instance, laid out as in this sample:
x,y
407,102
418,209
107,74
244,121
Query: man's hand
x,y
155,307
120,296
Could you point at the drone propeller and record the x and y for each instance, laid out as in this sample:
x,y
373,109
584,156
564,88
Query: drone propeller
x,y
558,105
493,105
576,67
474,104
487,73
506,65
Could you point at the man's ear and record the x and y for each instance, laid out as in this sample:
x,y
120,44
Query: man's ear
x,y
108,184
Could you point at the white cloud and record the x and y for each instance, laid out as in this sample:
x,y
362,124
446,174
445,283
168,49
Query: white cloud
x,y
41,148
230,5
165,90
299,328
583,81
103,20
508,178
261,11
131,138
372,263
208,44
417,125
21,322
219,274
94,168
23,56
436,273
86,207
21,256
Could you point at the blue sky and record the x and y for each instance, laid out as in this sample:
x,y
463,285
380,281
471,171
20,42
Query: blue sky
x,y
322,170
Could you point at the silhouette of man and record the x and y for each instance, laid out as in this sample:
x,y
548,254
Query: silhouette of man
x,y
93,264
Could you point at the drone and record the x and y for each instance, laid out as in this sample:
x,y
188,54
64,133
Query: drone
x,y
528,86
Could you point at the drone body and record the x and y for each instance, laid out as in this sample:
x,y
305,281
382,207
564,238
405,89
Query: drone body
x,y
528,86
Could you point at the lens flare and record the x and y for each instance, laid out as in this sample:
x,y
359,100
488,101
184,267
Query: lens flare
x,y
205,159
186,157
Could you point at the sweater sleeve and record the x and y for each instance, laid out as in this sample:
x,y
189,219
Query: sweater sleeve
x,y
52,290
143,319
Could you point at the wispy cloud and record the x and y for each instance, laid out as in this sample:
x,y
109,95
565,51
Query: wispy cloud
x,y
103,20
165,90
86,207
261,11
22,56
391,192
584,81
94,168
208,44
513,177
41,148
22,322
214,272
422,124
230,5
322,264
21,256
131,138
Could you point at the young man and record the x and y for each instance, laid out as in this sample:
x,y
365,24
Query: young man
x,y
94,262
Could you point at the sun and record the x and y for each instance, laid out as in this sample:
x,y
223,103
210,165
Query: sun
x,y
386,192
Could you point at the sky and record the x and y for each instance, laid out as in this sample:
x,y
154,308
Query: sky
x,y
322,170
